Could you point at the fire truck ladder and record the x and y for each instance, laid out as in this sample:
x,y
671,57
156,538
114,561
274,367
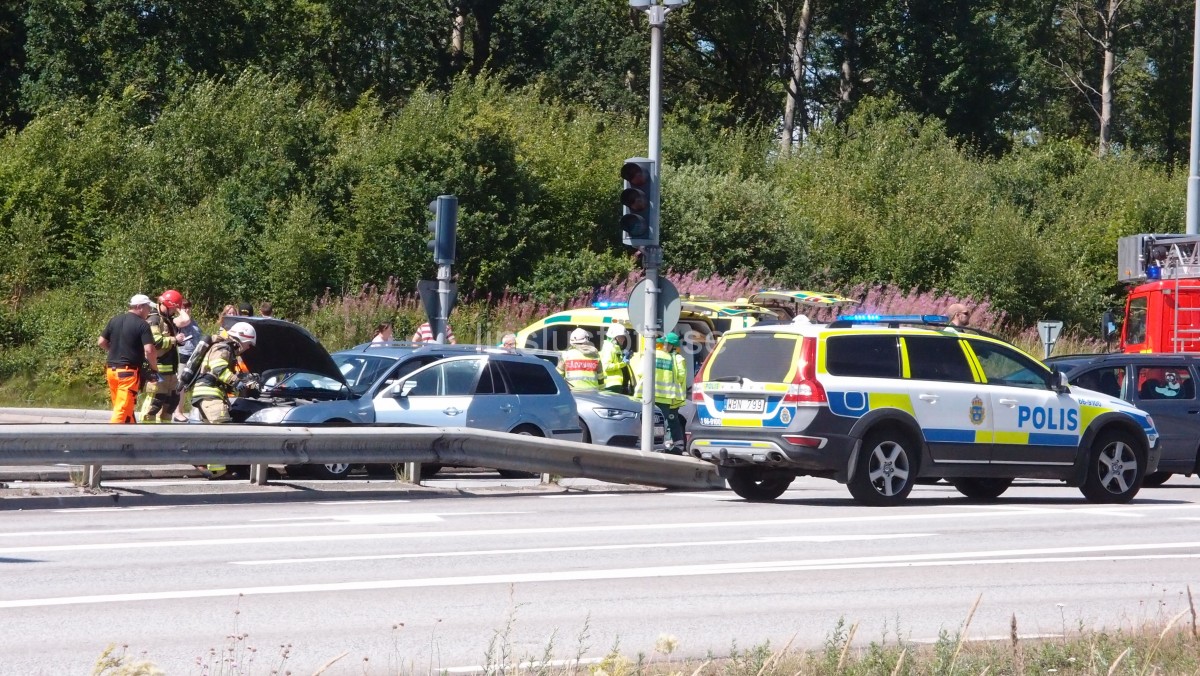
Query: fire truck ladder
x,y
1179,260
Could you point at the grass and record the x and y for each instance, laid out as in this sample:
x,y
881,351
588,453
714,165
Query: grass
x,y
1167,647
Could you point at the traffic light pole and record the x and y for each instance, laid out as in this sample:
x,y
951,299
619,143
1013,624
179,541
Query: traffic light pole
x,y
652,255
441,330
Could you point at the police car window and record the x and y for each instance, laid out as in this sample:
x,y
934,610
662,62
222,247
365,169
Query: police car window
x,y
863,356
528,378
937,358
1135,325
1005,366
760,357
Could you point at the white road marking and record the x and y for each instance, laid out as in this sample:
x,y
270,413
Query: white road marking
x,y
581,495
584,548
110,509
906,561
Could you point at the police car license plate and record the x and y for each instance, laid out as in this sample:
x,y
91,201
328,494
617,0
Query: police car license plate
x,y
745,405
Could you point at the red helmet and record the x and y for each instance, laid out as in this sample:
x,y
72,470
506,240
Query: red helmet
x,y
172,299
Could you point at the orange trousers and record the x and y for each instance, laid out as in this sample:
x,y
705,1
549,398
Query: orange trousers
x,y
123,385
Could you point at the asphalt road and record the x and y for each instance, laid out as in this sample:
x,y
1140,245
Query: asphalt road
x,y
429,583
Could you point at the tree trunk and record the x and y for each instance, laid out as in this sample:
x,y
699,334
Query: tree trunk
x,y
795,78
1106,78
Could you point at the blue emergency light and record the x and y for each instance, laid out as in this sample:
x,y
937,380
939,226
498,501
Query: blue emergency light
x,y
610,304
883,319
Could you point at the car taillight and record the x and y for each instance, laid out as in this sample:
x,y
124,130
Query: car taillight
x,y
697,395
804,388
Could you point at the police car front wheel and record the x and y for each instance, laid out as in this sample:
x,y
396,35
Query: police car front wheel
x,y
1115,468
885,469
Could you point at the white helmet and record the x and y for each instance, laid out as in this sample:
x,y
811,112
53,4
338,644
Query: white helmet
x,y
616,331
244,333
580,336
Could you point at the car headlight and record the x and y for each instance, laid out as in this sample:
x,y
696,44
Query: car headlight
x,y
614,413
269,416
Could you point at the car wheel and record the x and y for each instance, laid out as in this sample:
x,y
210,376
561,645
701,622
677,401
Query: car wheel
x,y
516,473
885,470
587,434
1114,471
982,489
1156,479
337,470
759,485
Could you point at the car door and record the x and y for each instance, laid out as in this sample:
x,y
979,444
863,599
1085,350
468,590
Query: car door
x,y
438,395
1033,424
950,406
494,406
1166,389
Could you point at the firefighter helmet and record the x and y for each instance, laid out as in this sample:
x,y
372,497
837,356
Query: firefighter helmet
x,y
171,299
243,333
580,336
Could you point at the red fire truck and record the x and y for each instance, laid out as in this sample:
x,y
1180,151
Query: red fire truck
x,y
1162,312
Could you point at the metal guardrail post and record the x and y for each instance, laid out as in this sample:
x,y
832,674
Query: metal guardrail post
x,y
91,477
258,474
411,473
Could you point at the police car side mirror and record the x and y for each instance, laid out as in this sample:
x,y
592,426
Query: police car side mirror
x,y
1059,381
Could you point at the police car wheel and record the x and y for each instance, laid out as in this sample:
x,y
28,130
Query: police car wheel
x,y
1115,468
759,485
885,469
982,489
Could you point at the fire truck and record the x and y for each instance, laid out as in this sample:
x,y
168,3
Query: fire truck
x,y
1162,310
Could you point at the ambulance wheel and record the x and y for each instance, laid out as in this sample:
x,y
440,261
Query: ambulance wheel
x,y
982,489
1156,479
759,485
1114,470
885,470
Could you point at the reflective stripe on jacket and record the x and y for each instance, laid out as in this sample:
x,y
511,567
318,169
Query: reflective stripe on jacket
x,y
581,368
218,376
668,388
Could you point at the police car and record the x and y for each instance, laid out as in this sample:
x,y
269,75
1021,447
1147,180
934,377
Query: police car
x,y
876,402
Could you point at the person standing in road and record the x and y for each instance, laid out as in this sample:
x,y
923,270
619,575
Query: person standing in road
x,y
129,343
959,315
162,397
193,335
668,390
680,376
612,360
580,363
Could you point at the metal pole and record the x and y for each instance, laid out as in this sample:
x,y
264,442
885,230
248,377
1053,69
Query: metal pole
x,y
1193,188
652,255
440,330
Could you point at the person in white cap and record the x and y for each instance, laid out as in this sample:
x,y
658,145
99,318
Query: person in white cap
x,y
129,343
580,363
613,362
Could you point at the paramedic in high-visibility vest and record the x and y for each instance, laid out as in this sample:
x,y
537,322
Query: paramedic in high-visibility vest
x,y
580,363
670,386
617,375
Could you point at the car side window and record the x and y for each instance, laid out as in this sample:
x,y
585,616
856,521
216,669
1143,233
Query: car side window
x,y
404,368
490,381
1166,382
863,356
1108,380
449,379
528,377
937,358
1003,365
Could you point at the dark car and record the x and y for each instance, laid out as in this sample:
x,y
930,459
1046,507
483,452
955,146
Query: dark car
x,y
1163,385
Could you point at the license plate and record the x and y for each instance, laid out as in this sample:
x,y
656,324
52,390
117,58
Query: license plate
x,y
738,405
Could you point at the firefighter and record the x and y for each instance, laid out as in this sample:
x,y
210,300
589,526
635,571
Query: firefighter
x,y
219,378
580,363
162,397
612,360
669,389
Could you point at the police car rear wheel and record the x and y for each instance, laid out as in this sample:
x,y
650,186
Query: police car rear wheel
x,y
885,470
1115,468
982,489
759,485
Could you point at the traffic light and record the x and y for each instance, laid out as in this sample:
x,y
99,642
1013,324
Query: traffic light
x,y
443,226
639,202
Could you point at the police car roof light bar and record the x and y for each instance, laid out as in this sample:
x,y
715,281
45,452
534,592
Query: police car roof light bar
x,y
888,319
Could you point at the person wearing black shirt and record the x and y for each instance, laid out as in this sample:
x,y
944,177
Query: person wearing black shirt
x,y
129,343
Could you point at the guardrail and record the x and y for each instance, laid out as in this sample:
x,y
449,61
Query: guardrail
x,y
97,444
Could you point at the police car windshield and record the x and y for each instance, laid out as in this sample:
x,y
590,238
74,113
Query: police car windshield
x,y
761,357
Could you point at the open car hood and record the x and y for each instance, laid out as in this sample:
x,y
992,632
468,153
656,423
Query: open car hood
x,y
284,345
815,298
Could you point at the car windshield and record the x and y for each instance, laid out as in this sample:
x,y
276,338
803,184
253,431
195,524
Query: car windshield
x,y
362,370
279,380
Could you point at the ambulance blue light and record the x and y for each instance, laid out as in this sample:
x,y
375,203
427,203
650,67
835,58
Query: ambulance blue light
x,y
610,304
883,319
